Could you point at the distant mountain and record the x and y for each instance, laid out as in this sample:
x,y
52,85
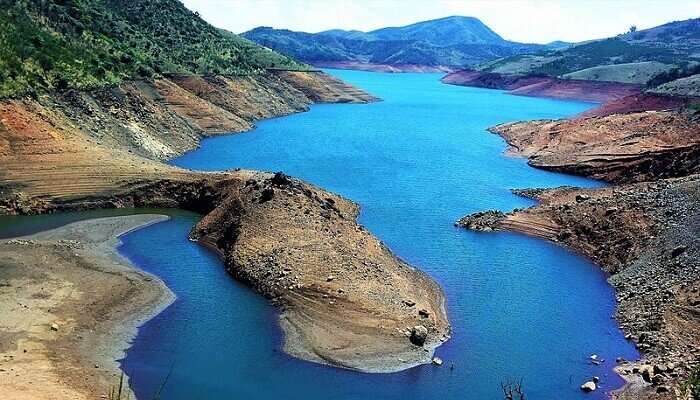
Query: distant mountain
x,y
443,32
451,41
649,56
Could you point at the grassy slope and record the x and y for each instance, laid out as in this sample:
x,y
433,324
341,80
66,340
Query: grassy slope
x,y
676,44
639,73
84,44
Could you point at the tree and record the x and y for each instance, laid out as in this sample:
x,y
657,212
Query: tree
x,y
633,29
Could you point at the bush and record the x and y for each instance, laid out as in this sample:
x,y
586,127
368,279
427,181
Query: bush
x,y
692,385
60,44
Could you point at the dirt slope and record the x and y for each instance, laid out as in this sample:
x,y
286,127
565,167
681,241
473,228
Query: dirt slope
x,y
616,148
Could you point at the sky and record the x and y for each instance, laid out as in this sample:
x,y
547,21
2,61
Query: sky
x,y
531,21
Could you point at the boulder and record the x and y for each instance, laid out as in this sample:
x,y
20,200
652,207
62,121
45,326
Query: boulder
x,y
419,334
437,361
647,372
678,251
588,387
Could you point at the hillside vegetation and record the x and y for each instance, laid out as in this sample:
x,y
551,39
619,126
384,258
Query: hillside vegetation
x,y
451,41
638,57
84,44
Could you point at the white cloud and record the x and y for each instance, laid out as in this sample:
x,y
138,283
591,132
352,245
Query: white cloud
x,y
536,21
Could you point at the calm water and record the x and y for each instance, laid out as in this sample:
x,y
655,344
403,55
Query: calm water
x,y
416,162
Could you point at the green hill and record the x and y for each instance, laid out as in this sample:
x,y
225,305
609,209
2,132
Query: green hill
x,y
637,56
83,44
451,41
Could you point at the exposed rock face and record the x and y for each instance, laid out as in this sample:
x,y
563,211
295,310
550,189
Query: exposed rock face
x,y
544,86
80,143
618,148
645,236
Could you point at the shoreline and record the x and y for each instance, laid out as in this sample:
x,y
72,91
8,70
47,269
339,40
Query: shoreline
x,y
651,176
70,339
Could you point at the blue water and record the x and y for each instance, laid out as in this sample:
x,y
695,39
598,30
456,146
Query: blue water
x,y
415,162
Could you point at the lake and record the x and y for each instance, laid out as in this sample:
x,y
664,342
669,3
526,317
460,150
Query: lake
x,y
520,308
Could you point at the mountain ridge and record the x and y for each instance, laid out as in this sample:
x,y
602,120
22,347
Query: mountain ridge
x,y
454,41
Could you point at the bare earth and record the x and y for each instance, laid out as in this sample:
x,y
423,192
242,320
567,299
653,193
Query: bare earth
x,y
70,304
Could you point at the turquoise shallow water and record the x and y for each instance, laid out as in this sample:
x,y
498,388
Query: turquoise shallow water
x,y
416,162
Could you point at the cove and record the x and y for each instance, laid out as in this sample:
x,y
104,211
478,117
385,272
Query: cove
x,y
520,308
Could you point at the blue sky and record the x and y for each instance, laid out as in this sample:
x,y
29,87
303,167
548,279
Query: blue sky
x,y
536,21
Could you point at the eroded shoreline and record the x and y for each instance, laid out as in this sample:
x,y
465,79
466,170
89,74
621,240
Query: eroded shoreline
x,y
641,233
65,318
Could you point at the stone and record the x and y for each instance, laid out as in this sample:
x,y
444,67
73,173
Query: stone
x,y
647,372
580,198
588,387
678,251
423,313
280,179
437,361
409,303
54,327
330,278
267,195
663,389
660,368
596,379
610,210
419,334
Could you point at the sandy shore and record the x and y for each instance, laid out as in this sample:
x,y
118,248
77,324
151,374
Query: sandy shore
x,y
64,316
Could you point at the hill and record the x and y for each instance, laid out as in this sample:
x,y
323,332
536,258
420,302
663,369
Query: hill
x,y
453,42
54,45
634,57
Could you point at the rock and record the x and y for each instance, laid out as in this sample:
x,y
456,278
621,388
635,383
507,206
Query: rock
x,y
419,334
424,313
610,210
647,372
267,195
660,368
596,379
662,389
54,327
437,361
678,251
280,179
588,387
580,198
409,303
330,278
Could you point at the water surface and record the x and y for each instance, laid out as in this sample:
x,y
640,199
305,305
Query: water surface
x,y
415,162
